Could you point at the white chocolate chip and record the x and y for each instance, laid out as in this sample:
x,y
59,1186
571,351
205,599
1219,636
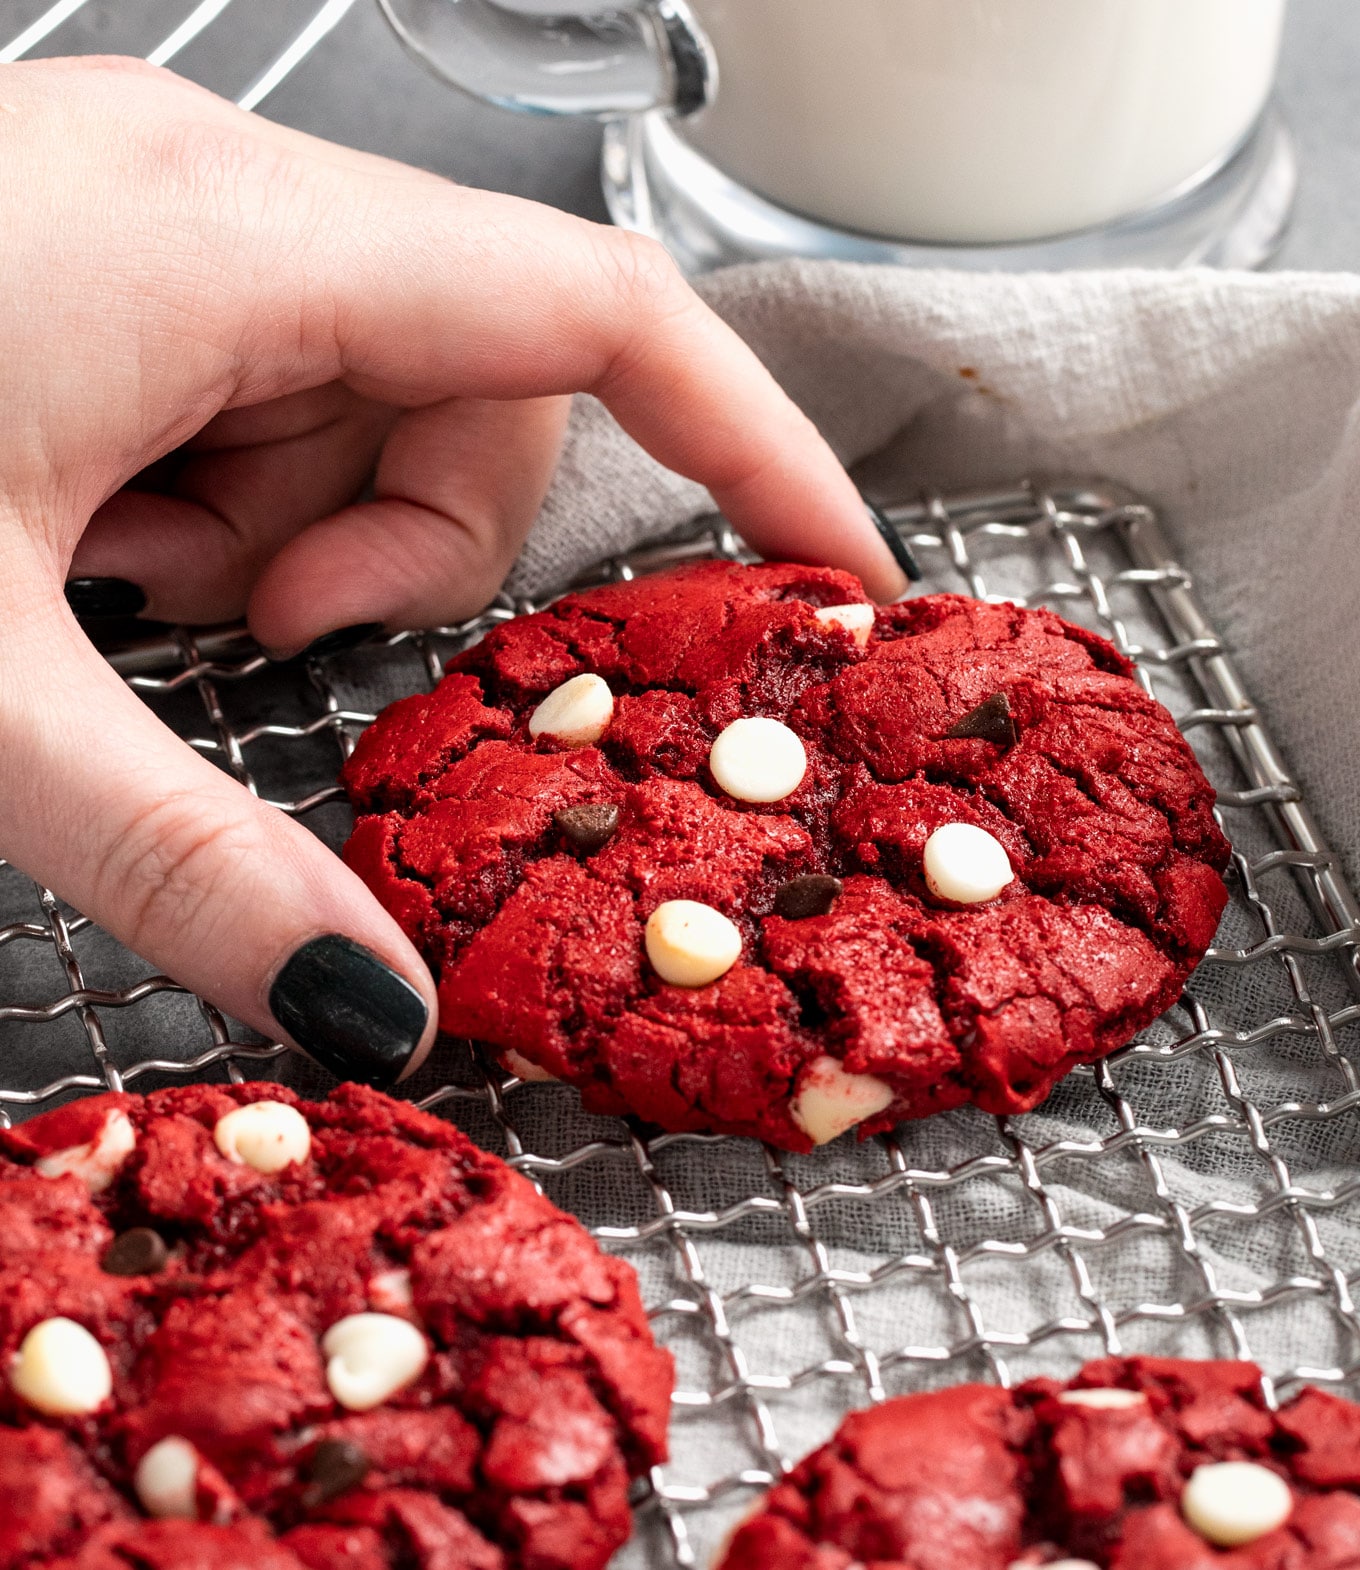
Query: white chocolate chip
x,y
96,1161
266,1135
858,620
166,1480
690,944
1230,1503
577,713
966,864
518,1065
1104,1399
61,1369
390,1291
758,759
830,1100
1053,1564
372,1356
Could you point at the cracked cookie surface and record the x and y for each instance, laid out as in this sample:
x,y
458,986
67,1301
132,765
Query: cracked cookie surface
x,y
1092,1475
893,999
536,1394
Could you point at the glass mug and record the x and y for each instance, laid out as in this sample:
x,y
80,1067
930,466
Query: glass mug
x,y
989,133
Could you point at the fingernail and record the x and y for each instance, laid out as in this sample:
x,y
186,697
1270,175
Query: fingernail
x,y
901,551
343,1006
341,639
95,598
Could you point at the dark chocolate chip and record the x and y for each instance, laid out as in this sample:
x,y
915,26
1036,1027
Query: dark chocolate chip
x,y
589,827
813,895
337,1465
138,1252
992,721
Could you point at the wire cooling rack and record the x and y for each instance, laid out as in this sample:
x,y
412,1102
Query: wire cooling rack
x,y
1192,1194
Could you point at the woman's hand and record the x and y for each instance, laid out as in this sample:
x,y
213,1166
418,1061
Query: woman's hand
x,y
278,319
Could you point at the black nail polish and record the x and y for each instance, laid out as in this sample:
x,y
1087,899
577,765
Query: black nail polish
x,y
93,599
901,552
355,1015
341,639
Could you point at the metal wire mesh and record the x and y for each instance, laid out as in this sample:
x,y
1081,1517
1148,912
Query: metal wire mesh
x,y
793,1288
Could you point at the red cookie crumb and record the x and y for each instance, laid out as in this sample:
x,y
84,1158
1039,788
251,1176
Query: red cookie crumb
x,y
538,942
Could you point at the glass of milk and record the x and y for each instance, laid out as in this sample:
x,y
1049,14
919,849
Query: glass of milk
x,y
983,133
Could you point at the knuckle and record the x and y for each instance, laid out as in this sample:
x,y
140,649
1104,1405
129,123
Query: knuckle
x,y
172,133
133,65
236,205
81,96
189,153
168,870
655,304
642,271
109,68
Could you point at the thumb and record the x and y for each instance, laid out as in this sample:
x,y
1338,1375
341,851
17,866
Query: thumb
x,y
228,896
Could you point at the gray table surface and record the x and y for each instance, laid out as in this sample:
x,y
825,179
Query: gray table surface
x,y
359,87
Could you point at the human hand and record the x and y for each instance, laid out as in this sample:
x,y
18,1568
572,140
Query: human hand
x,y
278,318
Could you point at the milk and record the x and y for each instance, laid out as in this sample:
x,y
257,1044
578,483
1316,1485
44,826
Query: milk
x,y
968,121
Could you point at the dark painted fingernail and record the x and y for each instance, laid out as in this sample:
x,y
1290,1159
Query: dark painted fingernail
x,y
355,1015
341,639
92,599
901,552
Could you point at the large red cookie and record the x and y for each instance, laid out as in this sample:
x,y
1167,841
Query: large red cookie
x,y
1051,1474
536,1395
895,1002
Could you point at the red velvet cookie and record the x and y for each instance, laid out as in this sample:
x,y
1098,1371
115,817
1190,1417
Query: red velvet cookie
x,y
729,850
243,1332
1138,1464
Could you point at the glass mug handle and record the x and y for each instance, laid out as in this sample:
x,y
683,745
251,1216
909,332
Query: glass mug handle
x,y
650,54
